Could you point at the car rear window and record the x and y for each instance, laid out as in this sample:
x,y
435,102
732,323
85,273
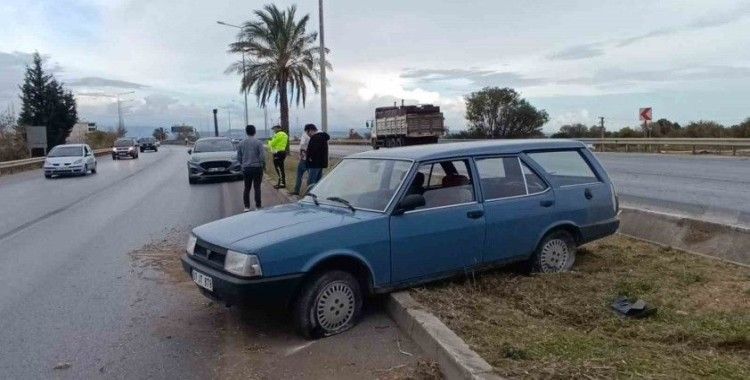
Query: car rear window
x,y
566,167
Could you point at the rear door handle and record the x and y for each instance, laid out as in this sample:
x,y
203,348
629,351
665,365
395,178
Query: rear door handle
x,y
587,194
546,203
476,214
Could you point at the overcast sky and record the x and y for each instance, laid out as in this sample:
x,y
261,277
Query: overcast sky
x,y
578,60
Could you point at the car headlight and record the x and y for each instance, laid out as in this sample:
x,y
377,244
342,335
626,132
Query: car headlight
x,y
242,264
114,150
190,249
78,161
131,148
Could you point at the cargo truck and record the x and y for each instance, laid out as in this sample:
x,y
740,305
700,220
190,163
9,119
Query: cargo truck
x,y
406,125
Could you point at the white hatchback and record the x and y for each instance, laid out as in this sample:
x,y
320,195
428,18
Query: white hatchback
x,y
70,159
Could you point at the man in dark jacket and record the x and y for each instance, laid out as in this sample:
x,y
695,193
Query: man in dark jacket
x,y
317,153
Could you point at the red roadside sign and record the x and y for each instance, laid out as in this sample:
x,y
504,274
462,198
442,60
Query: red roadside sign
x,y
645,114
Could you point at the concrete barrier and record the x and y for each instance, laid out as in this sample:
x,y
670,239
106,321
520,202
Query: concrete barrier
x,y
725,242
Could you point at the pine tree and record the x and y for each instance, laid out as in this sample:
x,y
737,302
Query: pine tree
x,y
46,102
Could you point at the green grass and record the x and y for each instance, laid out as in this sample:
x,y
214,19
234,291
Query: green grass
x,y
561,325
290,164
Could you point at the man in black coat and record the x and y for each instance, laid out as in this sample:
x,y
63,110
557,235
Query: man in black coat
x,y
317,153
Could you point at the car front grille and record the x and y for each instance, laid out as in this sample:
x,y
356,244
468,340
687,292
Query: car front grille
x,y
216,164
210,253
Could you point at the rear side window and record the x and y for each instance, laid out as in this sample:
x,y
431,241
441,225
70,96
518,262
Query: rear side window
x,y
503,177
567,167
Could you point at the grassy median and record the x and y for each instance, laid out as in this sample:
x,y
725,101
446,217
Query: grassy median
x,y
290,164
561,325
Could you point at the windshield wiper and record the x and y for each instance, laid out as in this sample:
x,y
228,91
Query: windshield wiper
x,y
314,197
342,200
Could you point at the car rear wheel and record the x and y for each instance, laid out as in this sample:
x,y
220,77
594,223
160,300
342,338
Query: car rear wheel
x,y
329,303
556,253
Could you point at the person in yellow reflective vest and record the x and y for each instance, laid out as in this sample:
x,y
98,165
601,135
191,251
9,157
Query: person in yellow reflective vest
x,y
278,145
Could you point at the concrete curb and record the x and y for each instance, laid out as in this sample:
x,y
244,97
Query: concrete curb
x,y
455,358
284,194
714,240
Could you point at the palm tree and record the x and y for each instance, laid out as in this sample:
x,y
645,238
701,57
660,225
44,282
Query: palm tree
x,y
282,61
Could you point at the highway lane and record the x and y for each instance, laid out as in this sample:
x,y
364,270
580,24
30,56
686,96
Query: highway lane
x,y
90,276
706,187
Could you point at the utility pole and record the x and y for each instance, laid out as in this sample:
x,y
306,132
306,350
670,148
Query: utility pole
x,y
216,123
323,100
244,72
265,121
601,123
120,126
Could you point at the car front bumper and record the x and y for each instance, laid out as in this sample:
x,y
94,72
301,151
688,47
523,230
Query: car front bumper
x,y
196,171
232,290
62,170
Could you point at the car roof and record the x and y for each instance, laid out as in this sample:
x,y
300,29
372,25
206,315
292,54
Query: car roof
x,y
78,145
468,148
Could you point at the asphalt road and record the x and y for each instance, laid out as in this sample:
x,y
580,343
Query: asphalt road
x,y
707,187
90,281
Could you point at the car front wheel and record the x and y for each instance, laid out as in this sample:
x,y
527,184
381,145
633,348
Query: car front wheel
x,y
556,253
329,303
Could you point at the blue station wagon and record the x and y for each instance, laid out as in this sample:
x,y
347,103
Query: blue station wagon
x,y
393,218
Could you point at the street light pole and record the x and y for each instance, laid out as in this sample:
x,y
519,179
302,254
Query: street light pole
x,y
244,70
323,100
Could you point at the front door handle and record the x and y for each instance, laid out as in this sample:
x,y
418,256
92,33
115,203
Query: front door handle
x,y
587,194
547,203
476,214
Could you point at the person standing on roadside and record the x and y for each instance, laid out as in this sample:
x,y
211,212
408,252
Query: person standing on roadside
x,y
302,165
317,153
278,145
251,154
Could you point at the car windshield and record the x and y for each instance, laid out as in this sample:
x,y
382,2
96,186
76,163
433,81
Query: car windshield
x,y
364,183
123,143
146,140
213,146
66,151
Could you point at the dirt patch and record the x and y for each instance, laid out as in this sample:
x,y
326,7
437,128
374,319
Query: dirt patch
x,y
561,325
698,232
421,370
159,260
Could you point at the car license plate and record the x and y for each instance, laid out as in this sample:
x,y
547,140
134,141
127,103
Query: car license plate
x,y
216,170
203,281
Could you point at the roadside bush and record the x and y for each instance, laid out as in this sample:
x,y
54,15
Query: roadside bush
x,y
101,139
12,143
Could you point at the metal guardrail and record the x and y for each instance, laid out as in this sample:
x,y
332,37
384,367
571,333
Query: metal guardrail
x,y
657,143
692,143
10,166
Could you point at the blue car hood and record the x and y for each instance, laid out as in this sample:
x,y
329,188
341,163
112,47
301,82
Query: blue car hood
x,y
225,232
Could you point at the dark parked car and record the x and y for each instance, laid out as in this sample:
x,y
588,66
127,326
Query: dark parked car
x,y
125,148
148,143
394,218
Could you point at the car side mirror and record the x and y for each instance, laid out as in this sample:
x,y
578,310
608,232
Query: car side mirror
x,y
190,151
410,202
